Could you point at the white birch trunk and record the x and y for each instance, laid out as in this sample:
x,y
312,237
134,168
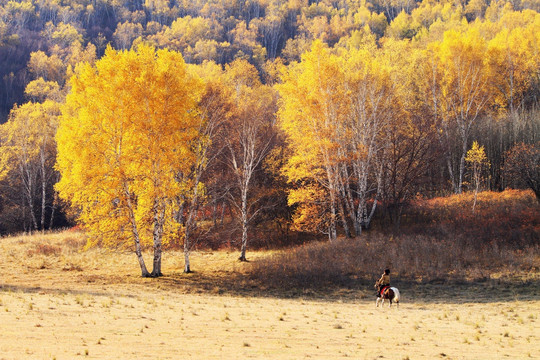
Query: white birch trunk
x,y
135,233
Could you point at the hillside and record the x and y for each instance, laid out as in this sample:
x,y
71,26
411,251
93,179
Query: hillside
x,y
165,123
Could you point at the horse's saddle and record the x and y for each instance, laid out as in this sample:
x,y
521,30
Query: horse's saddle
x,y
384,288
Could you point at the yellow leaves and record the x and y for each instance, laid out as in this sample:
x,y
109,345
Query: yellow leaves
x,y
461,46
62,34
332,110
49,68
39,90
190,30
463,76
403,27
512,61
305,194
125,134
477,155
310,201
240,73
28,132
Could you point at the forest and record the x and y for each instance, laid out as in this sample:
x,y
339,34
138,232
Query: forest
x,y
224,123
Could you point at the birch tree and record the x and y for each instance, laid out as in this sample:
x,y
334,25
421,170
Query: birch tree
x,y
476,158
249,141
310,113
124,135
370,109
214,110
334,110
29,152
461,93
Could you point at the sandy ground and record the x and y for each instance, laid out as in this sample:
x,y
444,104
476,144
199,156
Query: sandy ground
x,y
165,325
71,304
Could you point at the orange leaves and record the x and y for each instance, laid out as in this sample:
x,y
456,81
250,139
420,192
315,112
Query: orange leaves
x,y
508,217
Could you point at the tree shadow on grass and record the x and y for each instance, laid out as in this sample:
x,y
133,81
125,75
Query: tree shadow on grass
x,y
346,290
354,289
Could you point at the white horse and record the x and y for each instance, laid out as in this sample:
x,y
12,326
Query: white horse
x,y
390,293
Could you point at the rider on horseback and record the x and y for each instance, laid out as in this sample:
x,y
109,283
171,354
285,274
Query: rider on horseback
x,y
383,281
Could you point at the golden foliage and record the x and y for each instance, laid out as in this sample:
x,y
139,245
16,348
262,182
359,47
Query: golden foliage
x,y
123,139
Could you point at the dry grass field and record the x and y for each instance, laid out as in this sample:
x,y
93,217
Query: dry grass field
x,y
58,302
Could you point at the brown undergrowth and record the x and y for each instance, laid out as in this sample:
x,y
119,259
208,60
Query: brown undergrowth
x,y
413,260
509,218
345,269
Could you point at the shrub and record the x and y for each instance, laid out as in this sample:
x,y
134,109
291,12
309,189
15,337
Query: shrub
x,y
45,249
508,218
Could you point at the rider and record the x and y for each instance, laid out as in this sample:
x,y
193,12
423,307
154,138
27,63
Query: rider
x,y
383,281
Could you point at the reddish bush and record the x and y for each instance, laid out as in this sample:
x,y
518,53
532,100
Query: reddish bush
x,y
508,218
45,249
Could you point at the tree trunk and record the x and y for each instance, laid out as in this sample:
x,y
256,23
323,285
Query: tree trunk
x,y
332,190
156,271
343,217
367,220
43,191
222,220
180,213
187,268
187,240
214,212
190,220
476,176
138,252
159,218
462,167
455,187
136,238
347,196
360,215
32,212
54,202
244,227
23,211
53,210
332,231
28,184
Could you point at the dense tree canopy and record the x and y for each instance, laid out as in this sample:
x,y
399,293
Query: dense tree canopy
x,y
322,114
123,143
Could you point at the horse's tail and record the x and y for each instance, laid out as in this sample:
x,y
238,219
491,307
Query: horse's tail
x,y
396,294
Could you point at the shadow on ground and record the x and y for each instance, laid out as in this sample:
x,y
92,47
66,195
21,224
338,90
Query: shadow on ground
x,y
238,284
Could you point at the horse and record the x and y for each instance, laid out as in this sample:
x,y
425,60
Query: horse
x,y
390,293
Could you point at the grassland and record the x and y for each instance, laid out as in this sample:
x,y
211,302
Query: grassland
x,y
58,302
